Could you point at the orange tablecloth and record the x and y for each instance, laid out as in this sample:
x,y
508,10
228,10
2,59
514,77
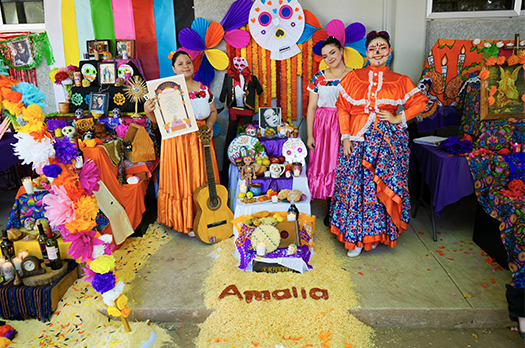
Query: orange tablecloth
x,y
130,196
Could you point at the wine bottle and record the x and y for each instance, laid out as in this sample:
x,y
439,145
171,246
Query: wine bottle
x,y
53,252
7,246
42,242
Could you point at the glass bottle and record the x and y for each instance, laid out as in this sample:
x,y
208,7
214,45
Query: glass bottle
x,y
53,252
293,213
7,246
42,242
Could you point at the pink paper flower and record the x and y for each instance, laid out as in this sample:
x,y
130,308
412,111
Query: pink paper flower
x,y
89,177
88,273
82,244
59,208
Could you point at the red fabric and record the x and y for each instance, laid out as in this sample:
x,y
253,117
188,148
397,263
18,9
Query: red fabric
x,y
234,112
146,37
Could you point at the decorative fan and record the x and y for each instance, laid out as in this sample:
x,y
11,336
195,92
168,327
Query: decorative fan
x,y
135,91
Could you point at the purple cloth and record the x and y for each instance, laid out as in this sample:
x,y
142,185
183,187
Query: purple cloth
x,y
8,156
448,176
274,184
274,146
323,160
444,116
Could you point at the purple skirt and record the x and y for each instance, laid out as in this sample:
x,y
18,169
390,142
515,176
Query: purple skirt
x,y
323,160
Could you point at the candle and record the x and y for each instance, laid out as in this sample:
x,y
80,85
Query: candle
x,y
461,59
296,172
23,254
516,147
124,54
18,264
275,199
2,261
8,270
261,249
444,69
243,188
430,60
28,185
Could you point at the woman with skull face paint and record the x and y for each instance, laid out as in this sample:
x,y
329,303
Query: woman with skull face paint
x,y
322,122
371,204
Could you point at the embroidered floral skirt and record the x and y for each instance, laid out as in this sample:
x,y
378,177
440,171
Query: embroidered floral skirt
x,y
371,203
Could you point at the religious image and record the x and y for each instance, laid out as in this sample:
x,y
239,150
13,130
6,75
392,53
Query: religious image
x,y
507,82
21,52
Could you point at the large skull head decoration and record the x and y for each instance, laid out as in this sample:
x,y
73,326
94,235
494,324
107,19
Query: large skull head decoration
x,y
277,25
89,72
124,70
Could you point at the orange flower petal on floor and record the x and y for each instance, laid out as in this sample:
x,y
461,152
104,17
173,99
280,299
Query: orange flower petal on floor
x,y
325,336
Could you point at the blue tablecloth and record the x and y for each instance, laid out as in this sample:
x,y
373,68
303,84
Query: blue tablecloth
x,y
448,176
7,158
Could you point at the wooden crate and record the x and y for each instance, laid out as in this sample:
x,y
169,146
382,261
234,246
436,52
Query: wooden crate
x,y
142,148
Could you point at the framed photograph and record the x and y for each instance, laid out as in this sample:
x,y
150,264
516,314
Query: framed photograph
x,y
502,91
125,45
173,110
98,103
100,46
21,52
270,118
107,73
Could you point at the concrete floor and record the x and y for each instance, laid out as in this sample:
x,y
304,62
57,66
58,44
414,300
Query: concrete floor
x,y
412,295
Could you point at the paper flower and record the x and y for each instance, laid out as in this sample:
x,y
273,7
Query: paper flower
x,y
52,170
103,249
121,130
79,225
87,207
103,264
65,151
31,94
484,74
455,146
31,151
59,208
110,296
89,177
120,308
352,38
89,274
4,342
7,331
103,282
82,244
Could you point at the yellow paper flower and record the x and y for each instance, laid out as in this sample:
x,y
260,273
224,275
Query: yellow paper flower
x,y
113,311
121,301
80,225
86,207
4,342
125,312
13,108
103,264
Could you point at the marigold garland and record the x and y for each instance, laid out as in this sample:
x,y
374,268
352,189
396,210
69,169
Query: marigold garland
x,y
249,57
289,90
493,90
491,61
512,60
279,91
491,100
269,72
264,80
501,60
484,74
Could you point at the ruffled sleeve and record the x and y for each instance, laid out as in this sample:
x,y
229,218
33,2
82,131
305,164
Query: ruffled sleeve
x,y
416,101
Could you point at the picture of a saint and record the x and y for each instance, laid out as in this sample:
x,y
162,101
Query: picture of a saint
x,y
508,83
21,53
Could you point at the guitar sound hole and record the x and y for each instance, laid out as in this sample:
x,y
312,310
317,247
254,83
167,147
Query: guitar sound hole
x,y
284,234
214,203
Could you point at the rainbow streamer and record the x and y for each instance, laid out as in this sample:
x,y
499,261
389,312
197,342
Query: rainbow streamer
x,y
123,19
84,25
165,30
102,18
69,30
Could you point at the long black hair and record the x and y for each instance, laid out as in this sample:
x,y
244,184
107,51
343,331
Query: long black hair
x,y
177,54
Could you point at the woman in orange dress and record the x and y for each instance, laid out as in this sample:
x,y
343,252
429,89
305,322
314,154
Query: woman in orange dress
x,y
182,161
371,204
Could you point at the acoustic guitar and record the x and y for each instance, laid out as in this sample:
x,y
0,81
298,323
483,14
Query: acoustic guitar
x,y
213,221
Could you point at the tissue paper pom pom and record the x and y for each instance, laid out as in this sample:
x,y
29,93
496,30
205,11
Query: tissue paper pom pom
x,y
4,342
59,208
68,180
65,151
13,108
99,250
82,244
52,170
31,94
87,207
104,282
89,177
103,264
121,130
78,225
89,274
4,329
31,151
110,296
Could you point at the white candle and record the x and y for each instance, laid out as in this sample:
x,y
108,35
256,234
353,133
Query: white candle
x,y
243,188
275,199
28,185
8,270
23,254
18,264
296,172
2,261
261,249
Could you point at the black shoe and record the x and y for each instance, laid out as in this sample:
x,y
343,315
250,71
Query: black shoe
x,y
327,220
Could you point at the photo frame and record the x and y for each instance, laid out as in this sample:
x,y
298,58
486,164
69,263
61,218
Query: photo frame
x,y
97,45
98,103
128,45
107,73
173,109
270,118
502,91
21,52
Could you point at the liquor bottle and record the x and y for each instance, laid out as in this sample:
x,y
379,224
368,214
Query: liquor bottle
x,y
7,246
42,242
53,253
293,213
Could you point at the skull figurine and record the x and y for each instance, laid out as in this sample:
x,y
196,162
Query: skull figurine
x,y
79,113
251,131
69,132
116,112
89,72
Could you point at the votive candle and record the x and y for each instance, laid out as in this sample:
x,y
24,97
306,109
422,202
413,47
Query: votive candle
x,y
23,254
18,264
8,270
516,147
28,185
261,249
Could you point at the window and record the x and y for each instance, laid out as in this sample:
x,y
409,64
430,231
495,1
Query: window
x,y
22,15
474,8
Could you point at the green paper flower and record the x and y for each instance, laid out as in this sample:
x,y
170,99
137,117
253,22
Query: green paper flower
x,y
77,99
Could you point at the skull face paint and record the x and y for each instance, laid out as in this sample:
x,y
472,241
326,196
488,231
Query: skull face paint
x,y
378,52
89,72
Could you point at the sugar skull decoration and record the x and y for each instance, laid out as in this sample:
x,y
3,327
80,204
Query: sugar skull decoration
x,y
294,150
89,72
116,112
251,131
277,25
125,71
69,132
240,63
79,113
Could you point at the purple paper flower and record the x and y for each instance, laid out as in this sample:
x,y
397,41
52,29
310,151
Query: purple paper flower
x,y
89,177
52,170
455,146
10,335
82,244
103,282
65,151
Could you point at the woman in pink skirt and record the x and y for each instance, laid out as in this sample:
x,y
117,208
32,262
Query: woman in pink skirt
x,y
323,123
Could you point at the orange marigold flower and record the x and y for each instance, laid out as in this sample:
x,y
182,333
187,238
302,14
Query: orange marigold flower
x,y
513,60
501,60
484,74
491,100
522,58
523,98
491,61
493,90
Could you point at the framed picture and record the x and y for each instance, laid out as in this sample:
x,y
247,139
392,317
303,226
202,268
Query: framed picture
x,y
97,45
125,45
502,91
107,73
21,52
98,103
270,118
173,110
